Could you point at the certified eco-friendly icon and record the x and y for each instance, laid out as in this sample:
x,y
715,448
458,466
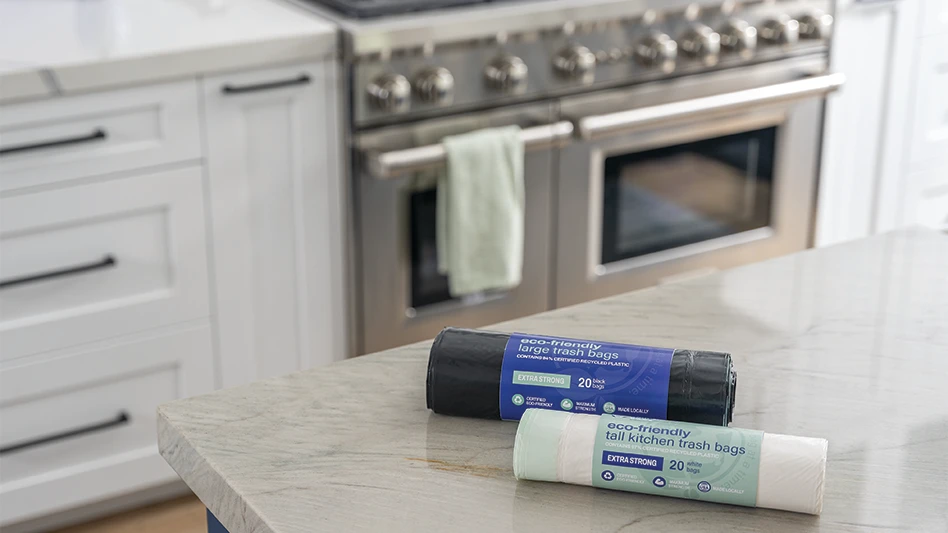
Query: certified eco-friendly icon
x,y
607,475
609,408
517,399
566,404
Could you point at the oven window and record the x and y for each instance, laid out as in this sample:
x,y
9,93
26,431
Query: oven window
x,y
688,193
427,285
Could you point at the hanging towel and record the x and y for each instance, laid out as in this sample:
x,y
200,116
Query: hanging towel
x,y
480,211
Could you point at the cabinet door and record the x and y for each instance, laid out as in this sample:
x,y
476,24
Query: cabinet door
x,y
930,138
272,167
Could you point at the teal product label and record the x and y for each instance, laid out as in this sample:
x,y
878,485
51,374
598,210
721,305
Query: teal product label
x,y
677,459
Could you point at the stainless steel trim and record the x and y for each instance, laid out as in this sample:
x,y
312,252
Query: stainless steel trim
x,y
367,36
387,165
599,126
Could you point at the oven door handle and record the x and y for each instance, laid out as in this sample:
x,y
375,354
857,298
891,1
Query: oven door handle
x,y
388,165
599,126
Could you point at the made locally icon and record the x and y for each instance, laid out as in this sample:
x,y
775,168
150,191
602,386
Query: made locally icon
x,y
659,481
607,475
704,486
609,408
517,399
566,404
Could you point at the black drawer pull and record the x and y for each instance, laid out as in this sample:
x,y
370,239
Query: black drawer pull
x,y
303,79
106,262
97,135
120,419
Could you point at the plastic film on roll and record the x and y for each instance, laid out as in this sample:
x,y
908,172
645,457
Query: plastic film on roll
x,y
676,459
494,375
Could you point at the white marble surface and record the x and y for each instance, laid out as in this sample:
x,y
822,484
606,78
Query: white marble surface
x,y
849,343
51,47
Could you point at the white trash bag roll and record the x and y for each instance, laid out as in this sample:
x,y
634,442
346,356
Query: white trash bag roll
x,y
678,459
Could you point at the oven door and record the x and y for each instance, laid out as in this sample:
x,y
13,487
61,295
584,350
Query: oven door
x,y
679,178
403,297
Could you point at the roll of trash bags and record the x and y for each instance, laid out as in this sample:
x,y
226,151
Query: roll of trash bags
x,y
493,375
677,459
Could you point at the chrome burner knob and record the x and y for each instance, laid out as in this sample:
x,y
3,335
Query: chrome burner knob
x,y
738,36
657,49
574,61
815,25
434,85
700,42
507,73
781,30
390,92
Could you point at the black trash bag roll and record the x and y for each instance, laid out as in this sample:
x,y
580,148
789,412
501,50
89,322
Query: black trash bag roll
x,y
464,374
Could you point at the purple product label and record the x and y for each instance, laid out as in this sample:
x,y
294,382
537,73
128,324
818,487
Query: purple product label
x,y
581,376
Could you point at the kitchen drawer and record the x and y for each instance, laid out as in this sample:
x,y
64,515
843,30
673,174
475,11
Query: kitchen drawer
x,y
79,136
101,260
81,427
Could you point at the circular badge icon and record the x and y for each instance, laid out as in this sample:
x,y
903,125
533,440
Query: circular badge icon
x,y
566,404
607,475
704,486
659,481
517,399
608,408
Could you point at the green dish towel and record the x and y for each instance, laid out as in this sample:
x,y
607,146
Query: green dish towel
x,y
480,213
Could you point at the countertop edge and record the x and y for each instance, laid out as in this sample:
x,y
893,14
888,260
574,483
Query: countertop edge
x,y
27,85
204,480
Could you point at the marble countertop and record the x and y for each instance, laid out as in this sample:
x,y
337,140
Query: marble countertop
x,y
54,47
849,343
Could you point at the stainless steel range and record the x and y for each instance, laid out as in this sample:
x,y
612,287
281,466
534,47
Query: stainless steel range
x,y
664,138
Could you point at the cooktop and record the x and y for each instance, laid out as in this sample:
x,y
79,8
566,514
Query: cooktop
x,y
378,8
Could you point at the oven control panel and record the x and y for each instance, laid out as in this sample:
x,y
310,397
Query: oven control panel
x,y
578,56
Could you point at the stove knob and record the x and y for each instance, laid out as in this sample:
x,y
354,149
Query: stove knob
x,y
574,61
390,92
815,25
434,85
738,36
782,30
506,73
656,49
701,42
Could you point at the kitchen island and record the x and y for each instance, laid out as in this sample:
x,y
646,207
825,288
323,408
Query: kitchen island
x,y
849,343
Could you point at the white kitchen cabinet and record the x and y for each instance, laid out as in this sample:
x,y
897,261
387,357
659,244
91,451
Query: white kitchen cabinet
x,y
101,260
930,126
932,211
885,146
79,425
197,242
935,17
53,141
275,205
853,121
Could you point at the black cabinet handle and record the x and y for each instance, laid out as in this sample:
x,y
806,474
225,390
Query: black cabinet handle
x,y
106,262
303,79
97,135
120,419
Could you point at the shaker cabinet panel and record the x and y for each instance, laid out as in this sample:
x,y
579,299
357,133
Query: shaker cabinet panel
x,y
100,260
271,177
61,139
